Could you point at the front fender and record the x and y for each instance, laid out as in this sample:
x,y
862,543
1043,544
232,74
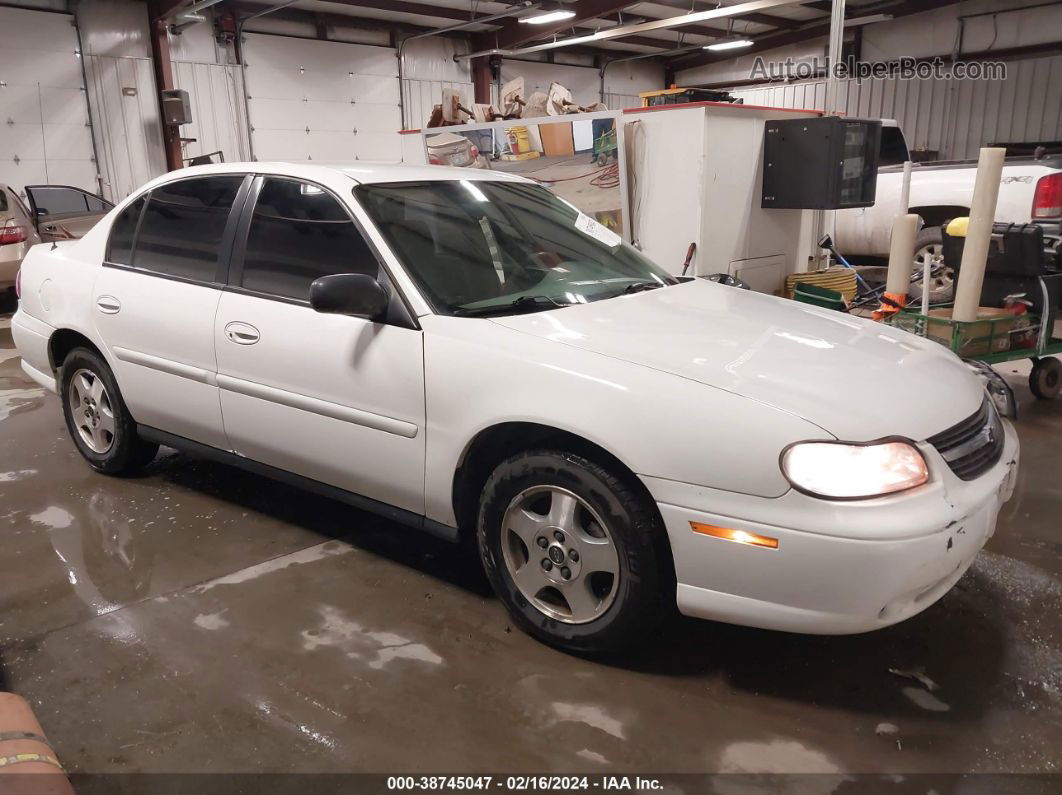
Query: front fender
x,y
479,374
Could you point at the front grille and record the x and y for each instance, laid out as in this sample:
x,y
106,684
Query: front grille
x,y
974,445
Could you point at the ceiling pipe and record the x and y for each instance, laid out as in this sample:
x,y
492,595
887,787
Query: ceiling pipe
x,y
644,27
526,5
190,16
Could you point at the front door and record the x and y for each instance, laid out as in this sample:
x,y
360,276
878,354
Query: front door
x,y
156,297
64,213
333,398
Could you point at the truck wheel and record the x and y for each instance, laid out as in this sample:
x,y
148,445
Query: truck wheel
x,y
99,423
929,248
573,551
1045,380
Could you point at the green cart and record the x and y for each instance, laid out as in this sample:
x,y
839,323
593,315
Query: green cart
x,y
605,147
993,340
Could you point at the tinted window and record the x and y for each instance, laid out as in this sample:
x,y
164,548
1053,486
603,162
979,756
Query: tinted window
x,y
299,233
893,150
484,245
3,200
61,201
120,245
182,227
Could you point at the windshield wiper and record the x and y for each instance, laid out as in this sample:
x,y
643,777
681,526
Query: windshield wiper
x,y
638,287
525,303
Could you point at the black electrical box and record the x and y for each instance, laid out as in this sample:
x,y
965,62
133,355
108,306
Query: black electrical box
x,y
823,163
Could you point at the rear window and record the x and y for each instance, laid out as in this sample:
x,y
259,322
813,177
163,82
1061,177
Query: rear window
x,y
180,233
123,232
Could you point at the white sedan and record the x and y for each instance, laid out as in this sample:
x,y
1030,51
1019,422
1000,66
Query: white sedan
x,y
463,352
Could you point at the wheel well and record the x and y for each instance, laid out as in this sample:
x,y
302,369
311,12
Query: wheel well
x,y
65,340
493,445
939,214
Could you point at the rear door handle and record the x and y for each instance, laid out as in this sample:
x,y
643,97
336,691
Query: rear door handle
x,y
108,304
242,333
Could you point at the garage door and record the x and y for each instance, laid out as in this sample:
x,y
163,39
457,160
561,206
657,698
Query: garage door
x,y
45,135
319,100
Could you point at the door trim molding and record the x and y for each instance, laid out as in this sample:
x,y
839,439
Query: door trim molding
x,y
325,408
167,366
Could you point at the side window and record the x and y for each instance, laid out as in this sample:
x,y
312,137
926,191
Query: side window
x,y
59,200
96,204
298,233
123,230
3,201
893,150
183,223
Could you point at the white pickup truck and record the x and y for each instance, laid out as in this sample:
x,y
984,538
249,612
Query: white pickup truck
x,y
1030,190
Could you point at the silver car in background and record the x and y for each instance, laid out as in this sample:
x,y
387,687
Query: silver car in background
x,y
55,212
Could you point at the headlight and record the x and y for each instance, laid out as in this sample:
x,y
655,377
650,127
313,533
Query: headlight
x,y
842,471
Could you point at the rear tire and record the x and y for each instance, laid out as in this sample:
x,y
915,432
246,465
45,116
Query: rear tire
x,y
614,591
96,416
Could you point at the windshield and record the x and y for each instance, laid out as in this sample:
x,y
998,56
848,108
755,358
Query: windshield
x,y
482,247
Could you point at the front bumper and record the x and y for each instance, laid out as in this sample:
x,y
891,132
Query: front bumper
x,y
840,567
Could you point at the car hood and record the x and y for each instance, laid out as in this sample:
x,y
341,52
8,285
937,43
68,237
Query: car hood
x,y
854,378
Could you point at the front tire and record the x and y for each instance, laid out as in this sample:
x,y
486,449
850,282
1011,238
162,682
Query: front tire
x,y
574,551
96,416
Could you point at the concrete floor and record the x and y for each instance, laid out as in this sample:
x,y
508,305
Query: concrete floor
x,y
202,619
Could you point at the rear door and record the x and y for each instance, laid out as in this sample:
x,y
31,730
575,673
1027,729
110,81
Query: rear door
x,y
156,297
62,212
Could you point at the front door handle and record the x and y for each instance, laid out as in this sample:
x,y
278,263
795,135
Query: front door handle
x,y
242,333
108,304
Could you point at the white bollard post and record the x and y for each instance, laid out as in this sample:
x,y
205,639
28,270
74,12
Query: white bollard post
x,y
905,188
901,254
978,234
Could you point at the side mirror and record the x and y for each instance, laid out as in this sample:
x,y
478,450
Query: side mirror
x,y
349,294
826,242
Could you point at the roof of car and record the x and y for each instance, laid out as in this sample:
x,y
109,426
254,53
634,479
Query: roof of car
x,y
360,171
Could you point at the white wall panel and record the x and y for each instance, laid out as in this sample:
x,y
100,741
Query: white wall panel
x,y
623,81
216,96
317,100
45,134
128,131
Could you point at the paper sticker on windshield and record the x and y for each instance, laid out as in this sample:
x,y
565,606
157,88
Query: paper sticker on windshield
x,y
587,225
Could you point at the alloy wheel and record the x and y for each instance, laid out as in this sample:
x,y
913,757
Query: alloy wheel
x,y
91,410
560,554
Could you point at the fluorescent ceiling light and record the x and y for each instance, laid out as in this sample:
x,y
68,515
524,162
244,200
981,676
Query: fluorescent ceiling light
x,y
549,16
729,45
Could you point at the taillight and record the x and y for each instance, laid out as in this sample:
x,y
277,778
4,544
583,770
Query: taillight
x,y
1047,201
435,161
12,233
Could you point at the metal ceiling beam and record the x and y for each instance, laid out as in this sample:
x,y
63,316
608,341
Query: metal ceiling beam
x,y
513,33
375,23
814,29
621,31
406,7
699,30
